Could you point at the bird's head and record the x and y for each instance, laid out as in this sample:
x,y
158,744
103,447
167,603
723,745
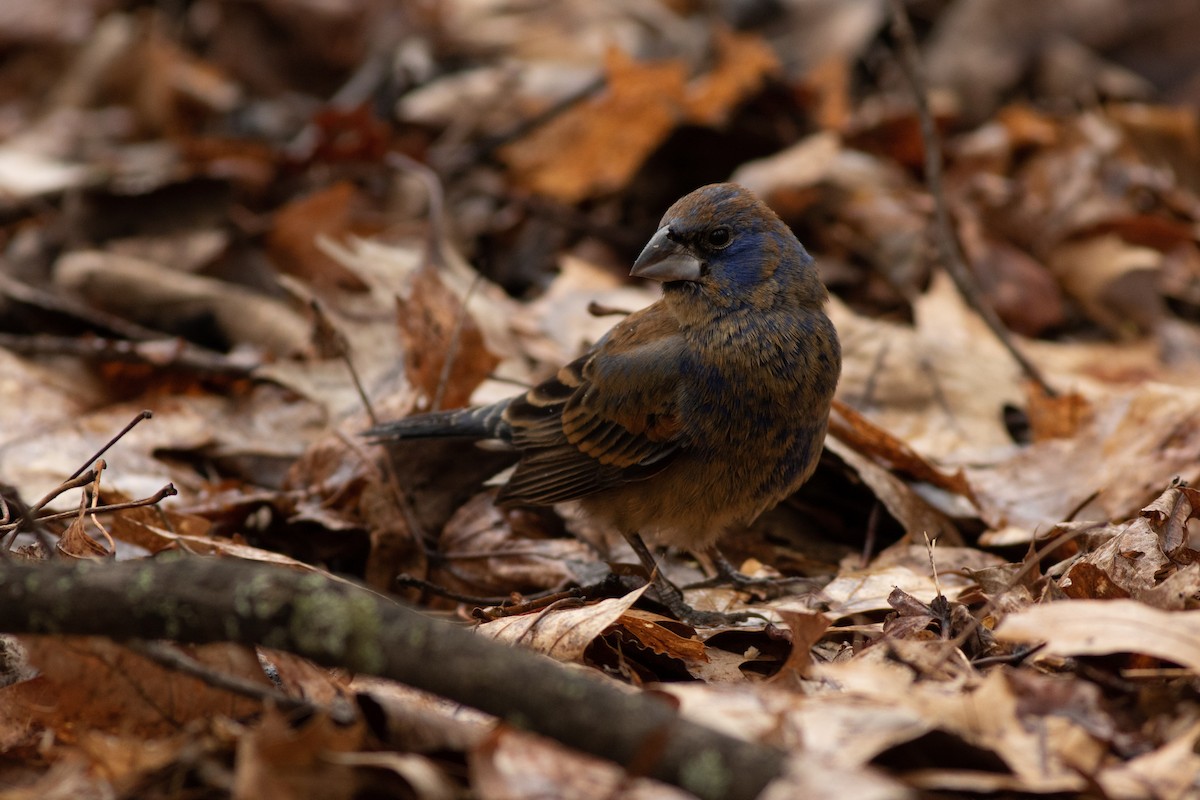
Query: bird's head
x,y
722,245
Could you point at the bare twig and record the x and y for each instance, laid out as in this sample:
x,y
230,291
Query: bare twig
x,y
162,351
868,548
437,204
142,415
1032,561
30,514
601,310
490,144
331,342
171,657
947,240
411,582
64,304
167,491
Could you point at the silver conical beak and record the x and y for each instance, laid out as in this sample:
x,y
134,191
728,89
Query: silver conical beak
x,y
664,259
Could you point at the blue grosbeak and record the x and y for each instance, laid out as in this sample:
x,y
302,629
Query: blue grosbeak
x,y
692,416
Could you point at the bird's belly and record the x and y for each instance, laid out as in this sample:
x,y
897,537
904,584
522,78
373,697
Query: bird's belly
x,y
690,505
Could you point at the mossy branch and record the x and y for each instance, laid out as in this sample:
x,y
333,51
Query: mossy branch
x,y
196,599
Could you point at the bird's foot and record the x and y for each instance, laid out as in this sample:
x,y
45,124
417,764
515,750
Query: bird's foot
x,y
670,596
766,588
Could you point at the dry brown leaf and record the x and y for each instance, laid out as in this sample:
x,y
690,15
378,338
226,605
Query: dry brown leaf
x,y
816,779
644,627
1134,443
301,678
868,590
75,542
420,722
180,424
170,89
124,760
562,634
1179,591
98,685
914,514
1086,581
874,442
156,539
556,327
292,241
436,327
744,62
1022,291
596,146
1102,627
1044,751
1166,135
284,761
1058,417
485,551
940,388
425,777
1133,560
806,631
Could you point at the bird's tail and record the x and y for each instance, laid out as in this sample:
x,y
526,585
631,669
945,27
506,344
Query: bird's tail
x,y
482,422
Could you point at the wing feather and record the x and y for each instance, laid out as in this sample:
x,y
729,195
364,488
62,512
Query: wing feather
x,y
608,418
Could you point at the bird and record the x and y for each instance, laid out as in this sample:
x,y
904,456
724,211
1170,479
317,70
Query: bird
x,y
692,416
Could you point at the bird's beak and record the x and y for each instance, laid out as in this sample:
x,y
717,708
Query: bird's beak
x,y
664,259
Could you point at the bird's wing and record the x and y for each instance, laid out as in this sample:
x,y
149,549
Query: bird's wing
x,y
606,419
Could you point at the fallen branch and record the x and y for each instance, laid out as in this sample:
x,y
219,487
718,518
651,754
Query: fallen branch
x,y
196,600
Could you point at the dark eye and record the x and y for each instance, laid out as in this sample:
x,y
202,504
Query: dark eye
x,y
719,238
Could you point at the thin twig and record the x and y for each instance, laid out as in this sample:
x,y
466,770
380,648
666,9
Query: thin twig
x,y
332,342
490,144
412,582
30,514
391,478
947,240
143,415
65,304
163,351
437,203
167,491
868,548
1033,560
173,658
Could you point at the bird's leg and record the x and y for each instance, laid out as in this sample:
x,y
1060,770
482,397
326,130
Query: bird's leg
x,y
727,572
671,595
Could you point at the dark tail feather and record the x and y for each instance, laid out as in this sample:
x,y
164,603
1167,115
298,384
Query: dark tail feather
x,y
483,422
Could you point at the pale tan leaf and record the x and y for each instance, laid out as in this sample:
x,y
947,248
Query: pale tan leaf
x,y
1100,627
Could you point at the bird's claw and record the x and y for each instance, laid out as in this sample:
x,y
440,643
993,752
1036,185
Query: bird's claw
x,y
670,595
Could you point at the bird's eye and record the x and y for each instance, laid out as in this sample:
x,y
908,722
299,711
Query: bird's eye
x,y
719,238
